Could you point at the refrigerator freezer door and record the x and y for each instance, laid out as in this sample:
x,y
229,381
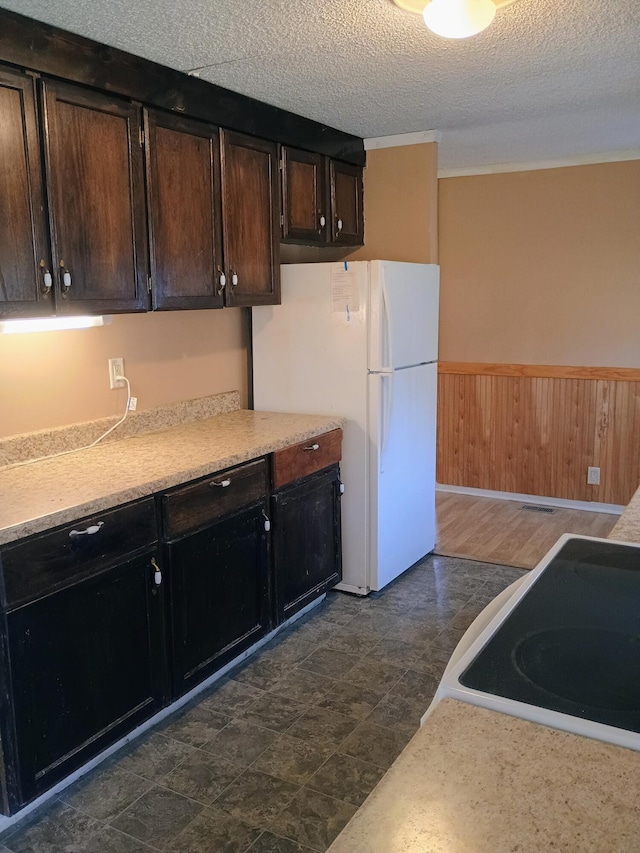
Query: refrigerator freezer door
x,y
402,425
403,315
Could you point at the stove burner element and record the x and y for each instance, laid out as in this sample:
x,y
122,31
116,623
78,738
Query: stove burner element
x,y
587,666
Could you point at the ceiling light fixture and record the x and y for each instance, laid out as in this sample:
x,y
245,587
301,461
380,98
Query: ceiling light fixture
x,y
454,19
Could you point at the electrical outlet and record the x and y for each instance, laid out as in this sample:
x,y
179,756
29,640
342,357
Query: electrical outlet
x,y
593,476
116,371
133,404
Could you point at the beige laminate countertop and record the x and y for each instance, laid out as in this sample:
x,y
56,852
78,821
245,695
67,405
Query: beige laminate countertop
x,y
45,494
476,781
627,528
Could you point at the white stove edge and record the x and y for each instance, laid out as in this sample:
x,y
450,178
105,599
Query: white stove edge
x,y
478,634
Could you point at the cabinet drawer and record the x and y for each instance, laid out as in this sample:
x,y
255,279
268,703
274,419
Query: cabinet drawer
x,y
191,507
50,561
305,458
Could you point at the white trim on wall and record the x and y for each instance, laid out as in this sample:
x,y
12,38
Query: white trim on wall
x,y
497,168
590,506
400,139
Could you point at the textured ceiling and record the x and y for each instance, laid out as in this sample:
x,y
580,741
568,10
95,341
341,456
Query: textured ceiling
x,y
550,79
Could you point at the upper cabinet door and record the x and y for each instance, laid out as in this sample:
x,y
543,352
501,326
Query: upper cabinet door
x,y
183,193
304,208
347,220
25,277
96,200
250,211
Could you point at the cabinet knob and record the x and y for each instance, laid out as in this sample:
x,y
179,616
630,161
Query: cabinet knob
x,y
342,488
339,224
220,483
322,221
267,521
222,281
66,278
157,574
47,278
312,447
234,279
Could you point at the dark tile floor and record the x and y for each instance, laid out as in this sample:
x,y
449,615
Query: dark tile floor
x,y
278,756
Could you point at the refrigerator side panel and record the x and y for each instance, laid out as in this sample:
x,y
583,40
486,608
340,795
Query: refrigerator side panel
x,y
402,418
403,315
311,358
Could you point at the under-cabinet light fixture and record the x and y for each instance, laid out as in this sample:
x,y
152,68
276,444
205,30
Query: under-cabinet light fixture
x,y
51,324
455,19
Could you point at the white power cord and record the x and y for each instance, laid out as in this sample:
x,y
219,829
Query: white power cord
x,y
84,447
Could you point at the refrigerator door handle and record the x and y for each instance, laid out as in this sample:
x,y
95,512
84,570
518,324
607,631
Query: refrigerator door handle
x,y
385,322
386,402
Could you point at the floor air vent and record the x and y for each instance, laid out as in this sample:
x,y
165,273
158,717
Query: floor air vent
x,y
533,508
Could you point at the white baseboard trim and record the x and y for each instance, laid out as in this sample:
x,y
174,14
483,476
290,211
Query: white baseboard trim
x,y
589,506
6,821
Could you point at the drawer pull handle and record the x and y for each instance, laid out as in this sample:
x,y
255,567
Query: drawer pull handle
x,y
157,574
89,531
267,521
221,483
312,447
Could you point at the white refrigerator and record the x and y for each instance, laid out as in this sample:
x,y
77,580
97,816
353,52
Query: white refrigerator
x,y
360,340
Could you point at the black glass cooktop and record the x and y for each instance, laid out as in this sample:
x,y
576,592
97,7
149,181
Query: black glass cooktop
x,y
573,643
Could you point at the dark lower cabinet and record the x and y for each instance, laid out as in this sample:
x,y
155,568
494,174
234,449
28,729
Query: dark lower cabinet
x,y
85,667
219,594
306,540
98,633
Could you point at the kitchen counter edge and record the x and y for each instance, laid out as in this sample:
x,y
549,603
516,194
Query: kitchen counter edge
x,y
40,496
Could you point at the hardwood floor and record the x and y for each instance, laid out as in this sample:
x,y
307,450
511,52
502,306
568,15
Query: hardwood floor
x,y
498,531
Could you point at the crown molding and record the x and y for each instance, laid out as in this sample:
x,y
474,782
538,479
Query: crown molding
x,y
400,139
497,168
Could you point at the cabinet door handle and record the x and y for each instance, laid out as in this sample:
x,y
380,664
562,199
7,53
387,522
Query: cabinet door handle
x,y
47,279
339,224
88,531
322,221
157,574
222,281
66,278
220,483
267,521
341,487
234,279
312,447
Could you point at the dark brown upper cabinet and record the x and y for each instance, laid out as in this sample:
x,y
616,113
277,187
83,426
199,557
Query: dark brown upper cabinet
x,y
347,216
183,200
93,148
25,269
304,197
250,211
321,200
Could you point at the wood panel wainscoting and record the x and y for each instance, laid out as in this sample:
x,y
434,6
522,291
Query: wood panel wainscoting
x,y
535,429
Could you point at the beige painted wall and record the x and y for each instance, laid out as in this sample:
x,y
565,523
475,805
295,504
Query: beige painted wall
x,y
400,204
56,378
542,267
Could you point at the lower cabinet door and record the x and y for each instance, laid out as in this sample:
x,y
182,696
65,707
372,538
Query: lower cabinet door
x,y
87,667
306,540
219,594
